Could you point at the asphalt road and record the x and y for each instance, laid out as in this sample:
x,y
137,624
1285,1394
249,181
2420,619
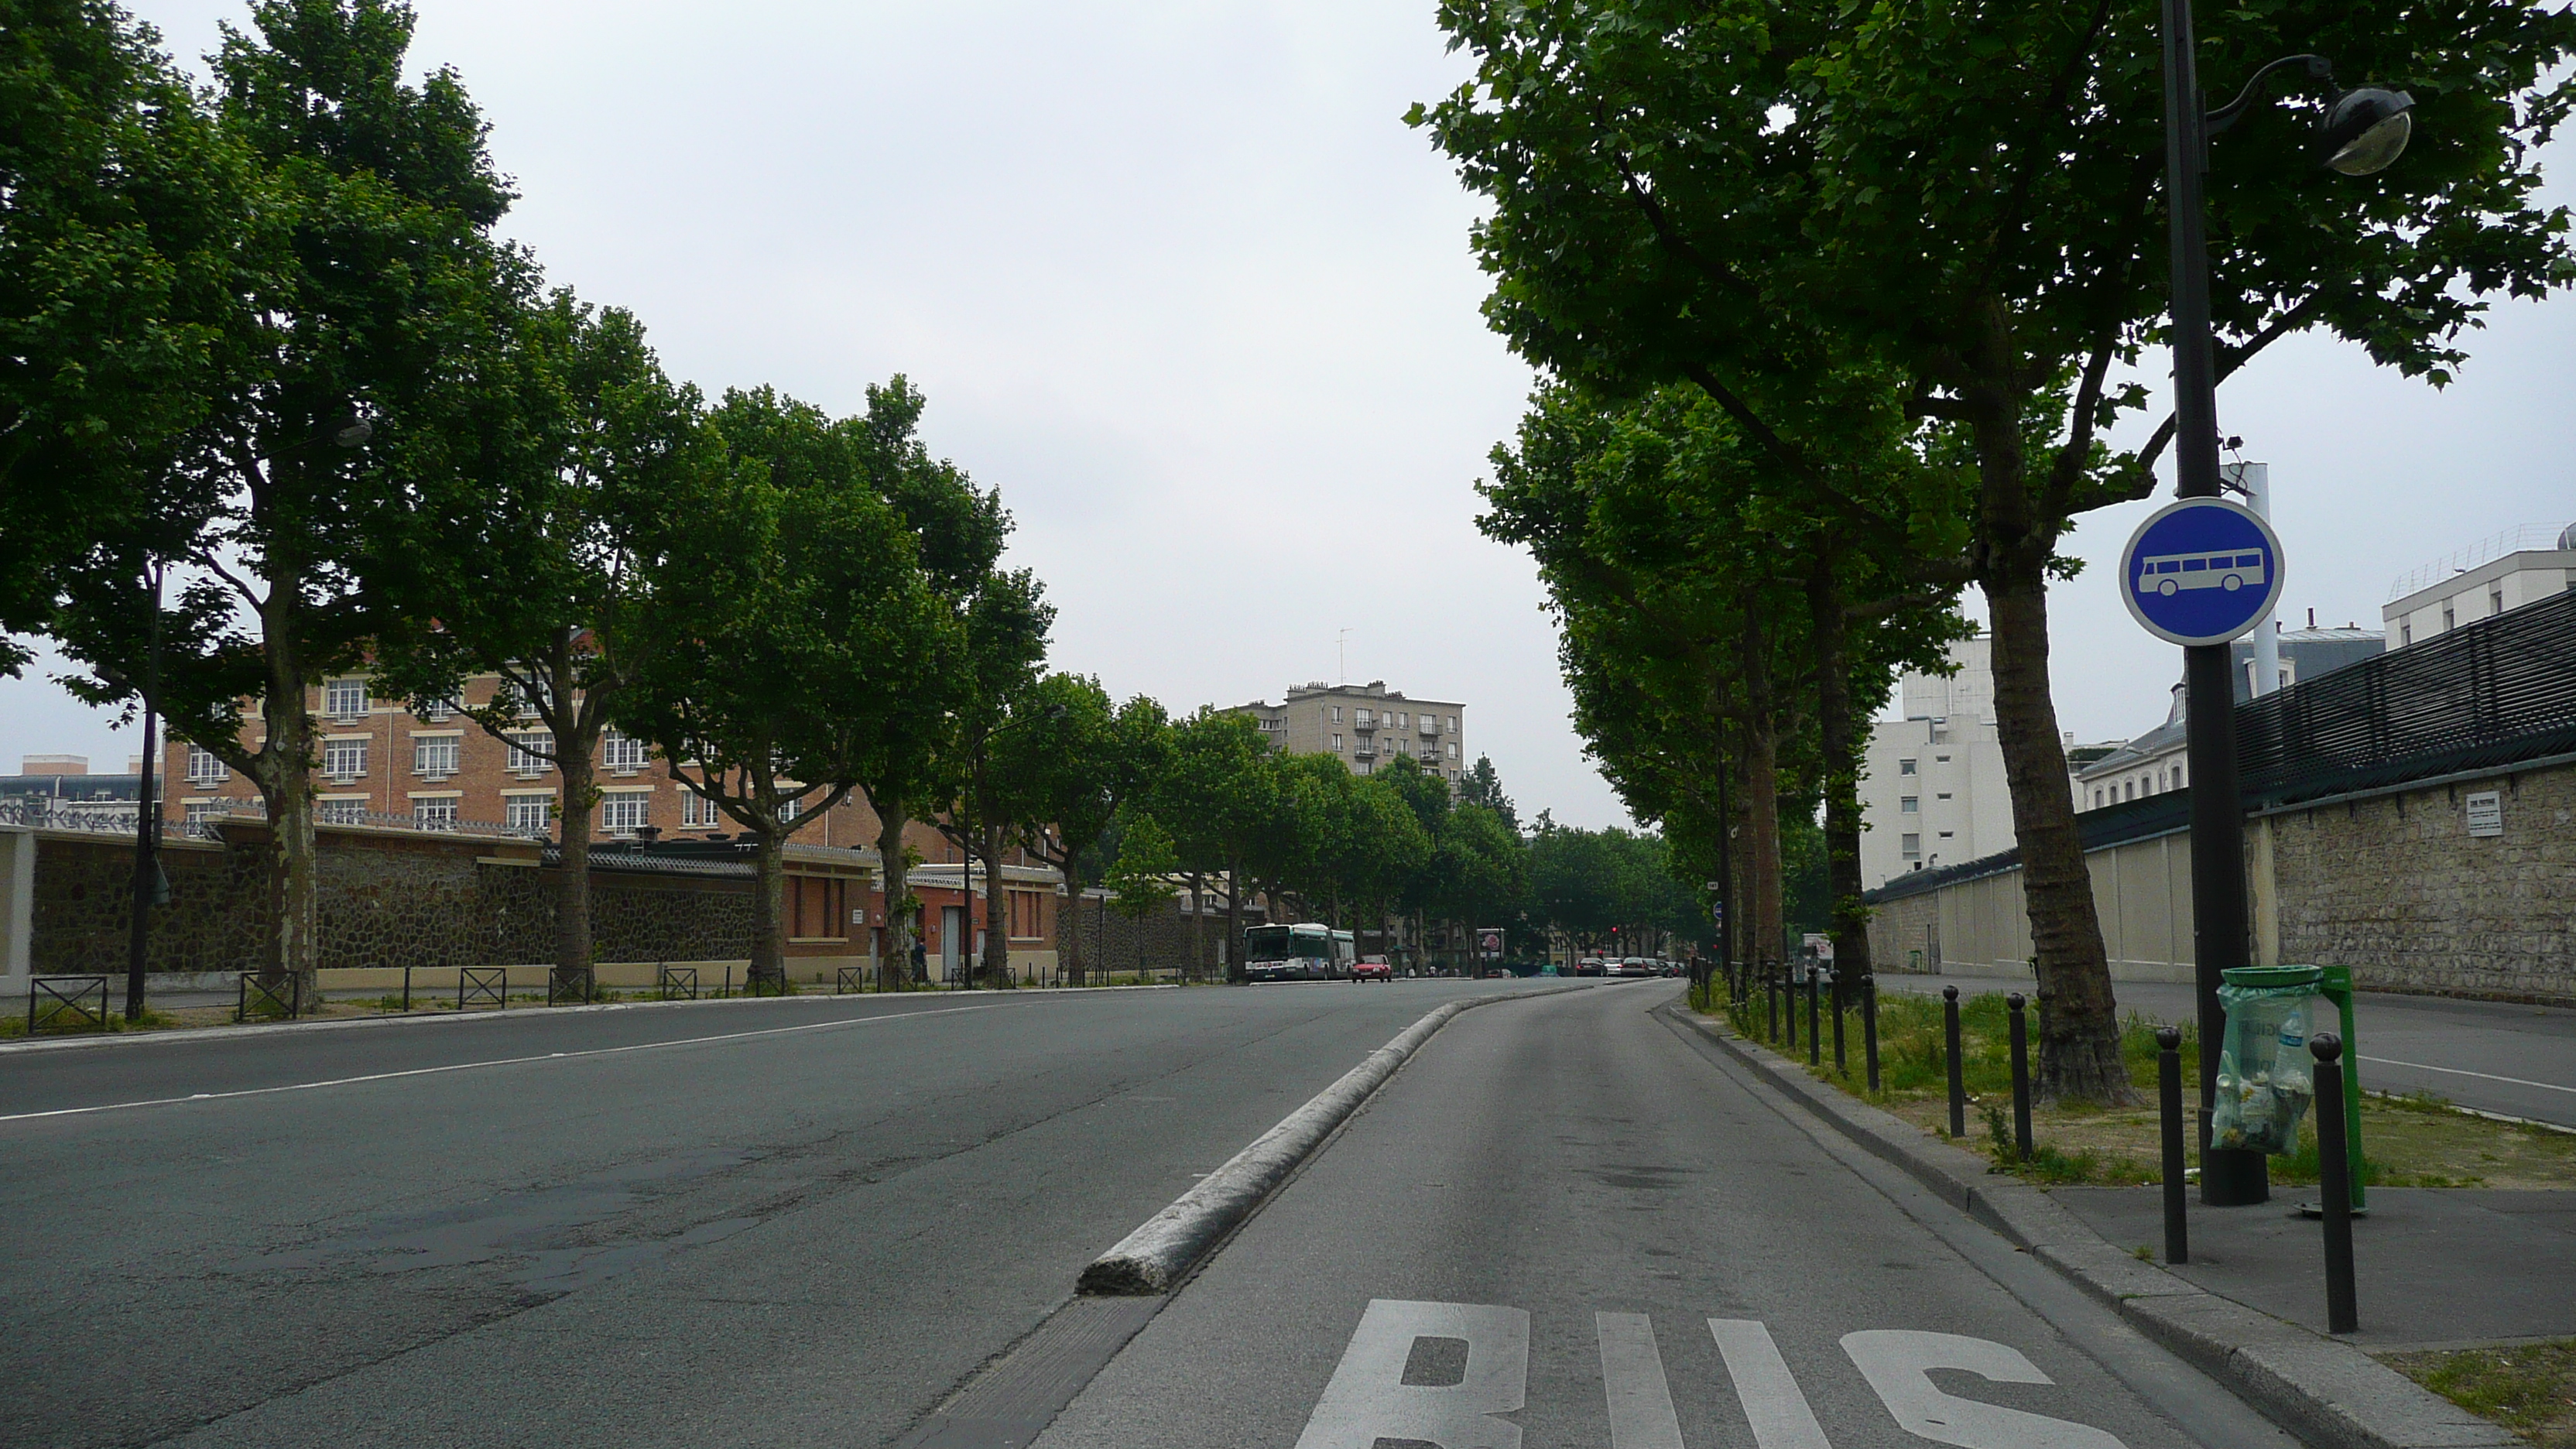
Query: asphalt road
x,y
743,1223
1572,1212
2494,1056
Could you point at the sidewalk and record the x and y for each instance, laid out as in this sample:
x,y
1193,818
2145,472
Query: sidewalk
x,y
2435,1267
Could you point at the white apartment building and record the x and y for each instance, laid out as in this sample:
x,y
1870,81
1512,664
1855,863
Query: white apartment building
x,y
2516,567
1932,789
1365,726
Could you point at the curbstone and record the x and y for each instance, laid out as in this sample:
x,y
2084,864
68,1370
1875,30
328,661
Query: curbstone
x,y
1161,1251
2326,1391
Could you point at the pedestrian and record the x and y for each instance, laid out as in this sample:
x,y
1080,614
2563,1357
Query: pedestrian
x,y
920,963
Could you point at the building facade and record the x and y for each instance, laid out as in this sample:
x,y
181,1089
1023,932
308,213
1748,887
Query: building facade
x,y
2154,763
1365,726
2517,567
384,766
1933,790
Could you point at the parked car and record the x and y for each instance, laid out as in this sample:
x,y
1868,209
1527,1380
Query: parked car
x,y
1590,966
1373,968
1635,966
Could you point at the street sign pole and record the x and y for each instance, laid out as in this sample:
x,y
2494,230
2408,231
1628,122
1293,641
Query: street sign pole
x,y
2217,824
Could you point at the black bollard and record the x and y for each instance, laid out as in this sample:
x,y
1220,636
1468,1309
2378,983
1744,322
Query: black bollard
x,y
2334,1184
1869,1026
1771,997
1815,1038
1789,1001
2169,1104
1841,1068
1958,1074
2021,1076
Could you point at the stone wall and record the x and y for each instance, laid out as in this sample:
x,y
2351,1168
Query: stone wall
x,y
1112,941
388,898
2390,884
2396,888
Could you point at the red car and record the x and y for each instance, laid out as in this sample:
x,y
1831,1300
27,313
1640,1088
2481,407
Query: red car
x,y
1372,968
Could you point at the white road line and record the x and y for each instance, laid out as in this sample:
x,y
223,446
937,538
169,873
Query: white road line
x,y
495,1062
2464,1072
1632,1374
1773,1405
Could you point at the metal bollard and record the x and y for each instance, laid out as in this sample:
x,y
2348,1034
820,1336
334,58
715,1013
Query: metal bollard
x,y
406,990
1771,998
2334,1185
1815,1038
1958,1074
1869,1026
2169,1105
2020,1075
1841,1067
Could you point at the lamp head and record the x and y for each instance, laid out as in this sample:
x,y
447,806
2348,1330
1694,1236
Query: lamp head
x,y
352,431
2367,129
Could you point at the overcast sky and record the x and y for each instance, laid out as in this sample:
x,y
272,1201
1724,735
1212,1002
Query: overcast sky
x,y
1178,280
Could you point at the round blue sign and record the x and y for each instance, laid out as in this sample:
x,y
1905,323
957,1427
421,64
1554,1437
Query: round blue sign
x,y
2201,571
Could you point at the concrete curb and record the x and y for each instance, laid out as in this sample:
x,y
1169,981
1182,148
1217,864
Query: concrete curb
x,y
1159,1253
2324,1390
172,1035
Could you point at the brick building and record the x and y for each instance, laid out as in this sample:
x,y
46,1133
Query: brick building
x,y
383,765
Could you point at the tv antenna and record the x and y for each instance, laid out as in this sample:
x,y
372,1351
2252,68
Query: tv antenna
x,y
1342,647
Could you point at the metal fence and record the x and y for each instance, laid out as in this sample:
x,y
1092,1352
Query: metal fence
x,y
2492,693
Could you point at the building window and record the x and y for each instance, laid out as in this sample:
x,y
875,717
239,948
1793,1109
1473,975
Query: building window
x,y
2405,632
621,751
1940,759
1365,719
434,755
529,752
624,809
2177,777
1906,767
696,810
1337,714
1944,795
1910,804
1910,846
344,759
199,811
204,768
2449,620
439,711
1337,742
527,814
434,814
790,809
1453,749
2097,799
341,809
1453,724
1027,918
345,698
1946,834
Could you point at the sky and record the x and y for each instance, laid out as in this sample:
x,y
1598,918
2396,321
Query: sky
x,y
1176,278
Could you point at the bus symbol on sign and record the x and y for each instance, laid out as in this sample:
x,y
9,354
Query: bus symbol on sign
x,y
2175,572
2201,571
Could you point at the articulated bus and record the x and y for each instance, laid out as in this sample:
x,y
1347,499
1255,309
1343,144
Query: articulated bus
x,y
1307,951
2171,573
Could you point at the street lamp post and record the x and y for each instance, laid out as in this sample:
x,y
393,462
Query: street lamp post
x,y
2365,129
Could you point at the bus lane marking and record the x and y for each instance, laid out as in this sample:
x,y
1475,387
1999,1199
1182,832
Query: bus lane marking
x,y
1632,1376
1369,1400
1773,1405
1898,1363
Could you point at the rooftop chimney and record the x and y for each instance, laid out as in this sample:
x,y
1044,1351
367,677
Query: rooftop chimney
x,y
53,764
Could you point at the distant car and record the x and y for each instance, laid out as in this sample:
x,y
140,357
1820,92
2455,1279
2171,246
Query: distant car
x,y
1590,966
1373,968
1635,966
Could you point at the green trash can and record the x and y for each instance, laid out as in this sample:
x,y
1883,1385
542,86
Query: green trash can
x,y
2265,1074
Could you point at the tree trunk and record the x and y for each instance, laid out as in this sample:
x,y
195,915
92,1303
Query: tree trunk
x,y
2079,1027
286,786
768,902
1840,730
1068,923
1234,921
997,935
1198,926
1761,844
576,750
894,871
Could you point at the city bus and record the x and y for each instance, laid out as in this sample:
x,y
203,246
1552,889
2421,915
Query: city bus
x,y
1307,951
2171,573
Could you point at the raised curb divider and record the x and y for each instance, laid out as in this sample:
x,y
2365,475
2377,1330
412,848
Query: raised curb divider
x,y
1158,1254
2322,1389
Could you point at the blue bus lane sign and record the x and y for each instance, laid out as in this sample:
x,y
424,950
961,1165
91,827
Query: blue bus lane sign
x,y
2201,571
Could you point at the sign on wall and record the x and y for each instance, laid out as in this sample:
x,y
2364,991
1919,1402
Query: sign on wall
x,y
2486,812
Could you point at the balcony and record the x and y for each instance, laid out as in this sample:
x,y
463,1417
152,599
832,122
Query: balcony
x,y
1363,751
1364,724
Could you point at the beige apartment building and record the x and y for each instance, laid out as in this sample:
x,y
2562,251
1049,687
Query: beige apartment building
x,y
1365,726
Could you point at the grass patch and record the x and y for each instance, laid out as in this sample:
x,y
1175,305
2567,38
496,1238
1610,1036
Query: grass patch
x,y
80,1023
2530,1388
2417,1141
